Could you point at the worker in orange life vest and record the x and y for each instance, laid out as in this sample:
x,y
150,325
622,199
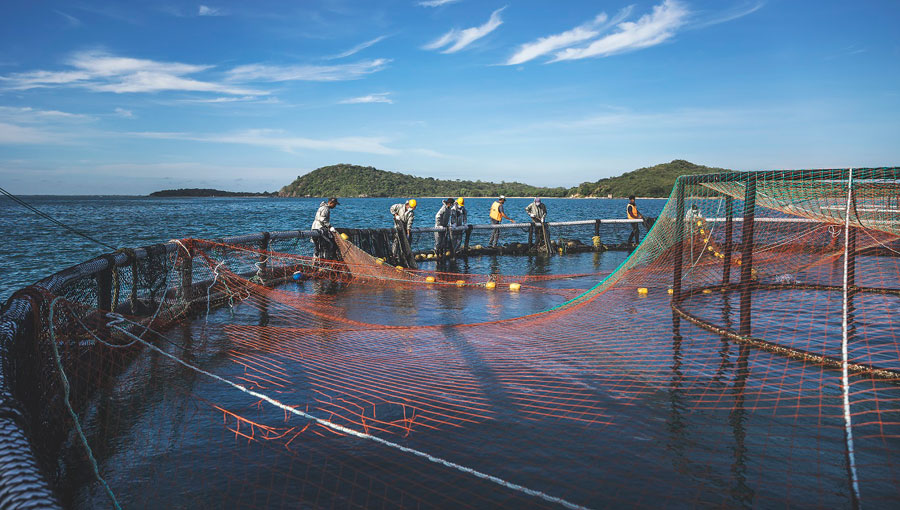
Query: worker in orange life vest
x,y
632,212
497,216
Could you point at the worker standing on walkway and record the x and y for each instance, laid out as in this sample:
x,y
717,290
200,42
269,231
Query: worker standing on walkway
x,y
403,219
323,232
497,216
459,217
632,212
538,213
442,220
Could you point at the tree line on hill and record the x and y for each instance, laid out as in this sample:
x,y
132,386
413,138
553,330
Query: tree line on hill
x,y
345,180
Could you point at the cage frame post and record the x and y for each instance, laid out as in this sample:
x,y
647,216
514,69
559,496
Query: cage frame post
x,y
679,239
746,285
729,238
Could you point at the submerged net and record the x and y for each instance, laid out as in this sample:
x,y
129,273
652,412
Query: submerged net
x,y
745,354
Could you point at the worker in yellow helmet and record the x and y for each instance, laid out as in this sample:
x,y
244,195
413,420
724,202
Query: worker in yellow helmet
x,y
459,217
403,219
497,215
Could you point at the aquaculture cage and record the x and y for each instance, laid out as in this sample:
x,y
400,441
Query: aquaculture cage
x,y
745,354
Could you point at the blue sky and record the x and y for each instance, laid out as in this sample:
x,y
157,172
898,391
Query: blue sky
x,y
131,97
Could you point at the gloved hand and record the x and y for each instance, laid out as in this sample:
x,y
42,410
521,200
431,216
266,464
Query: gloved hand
x,y
333,231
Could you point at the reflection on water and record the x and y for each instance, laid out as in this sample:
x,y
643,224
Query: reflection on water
x,y
661,414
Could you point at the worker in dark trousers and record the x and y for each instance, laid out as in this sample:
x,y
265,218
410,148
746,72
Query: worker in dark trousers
x,y
325,246
442,238
497,215
538,213
632,212
459,217
403,219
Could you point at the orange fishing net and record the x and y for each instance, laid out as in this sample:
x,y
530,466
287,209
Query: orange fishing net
x,y
708,370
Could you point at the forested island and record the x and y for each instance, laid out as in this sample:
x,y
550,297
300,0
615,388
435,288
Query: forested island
x,y
654,181
345,180
358,181
366,181
205,192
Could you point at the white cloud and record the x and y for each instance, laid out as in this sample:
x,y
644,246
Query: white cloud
x,y
31,126
585,32
27,115
430,153
649,30
277,139
122,112
436,3
371,98
232,99
12,134
209,11
146,81
730,15
102,72
462,38
356,49
72,20
342,72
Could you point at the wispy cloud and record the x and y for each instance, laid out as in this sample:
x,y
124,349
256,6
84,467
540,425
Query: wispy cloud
x,y
649,30
71,20
278,139
13,134
459,39
209,11
585,32
103,72
356,49
233,99
27,115
437,3
732,14
272,73
853,49
371,98
33,126
122,112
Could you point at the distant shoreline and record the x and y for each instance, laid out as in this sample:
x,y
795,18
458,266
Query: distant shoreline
x,y
206,192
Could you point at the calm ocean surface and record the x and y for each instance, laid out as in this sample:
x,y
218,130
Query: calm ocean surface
x,y
702,430
34,248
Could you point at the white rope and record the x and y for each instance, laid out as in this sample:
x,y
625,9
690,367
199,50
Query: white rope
x,y
118,319
844,326
66,392
215,277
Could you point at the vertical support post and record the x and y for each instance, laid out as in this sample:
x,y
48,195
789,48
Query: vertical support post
x,y
596,228
747,252
468,236
264,247
104,285
729,235
451,235
851,245
679,239
187,276
531,235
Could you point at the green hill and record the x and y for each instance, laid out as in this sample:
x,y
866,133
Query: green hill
x,y
654,181
366,181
